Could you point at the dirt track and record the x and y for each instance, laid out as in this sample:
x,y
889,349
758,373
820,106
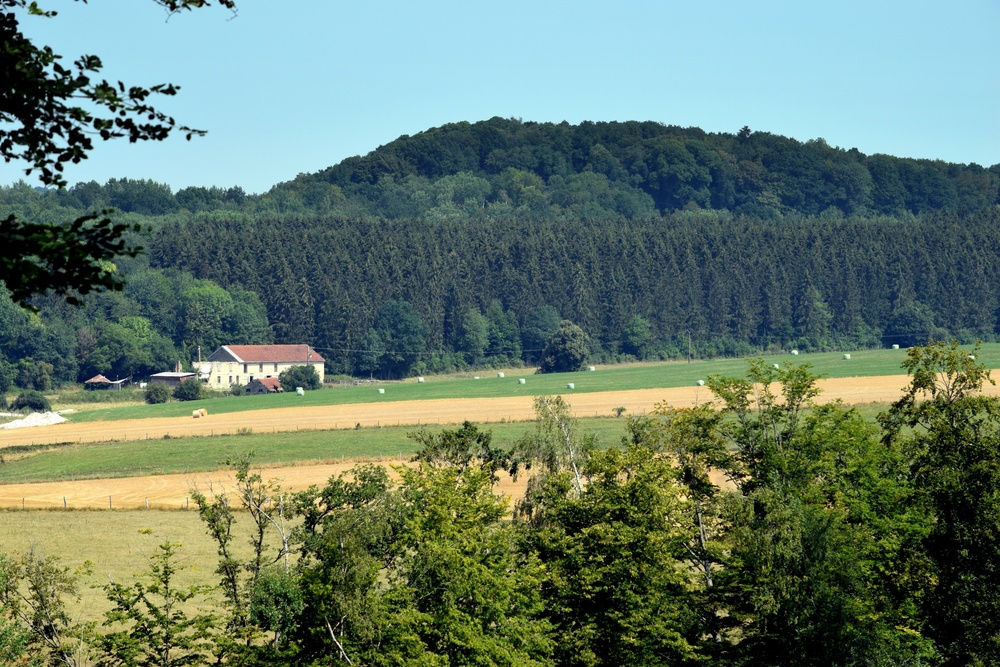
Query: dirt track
x,y
172,490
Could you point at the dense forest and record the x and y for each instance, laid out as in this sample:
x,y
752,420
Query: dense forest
x,y
833,542
468,244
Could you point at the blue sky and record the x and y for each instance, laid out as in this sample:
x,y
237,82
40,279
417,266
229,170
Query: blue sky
x,y
293,86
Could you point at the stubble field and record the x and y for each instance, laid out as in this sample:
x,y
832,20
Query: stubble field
x,y
172,491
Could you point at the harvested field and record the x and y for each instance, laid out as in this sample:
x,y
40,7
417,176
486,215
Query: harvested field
x,y
172,490
442,411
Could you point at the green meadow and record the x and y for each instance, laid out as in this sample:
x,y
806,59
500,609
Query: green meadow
x,y
198,454
606,378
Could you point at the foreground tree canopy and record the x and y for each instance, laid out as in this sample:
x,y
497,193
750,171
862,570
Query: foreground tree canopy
x,y
760,529
50,111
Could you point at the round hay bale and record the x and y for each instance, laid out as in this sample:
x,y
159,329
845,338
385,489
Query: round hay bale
x,y
700,383
420,380
591,368
499,375
300,391
475,377
204,412
196,414
777,366
570,385
380,390
521,380
847,357
795,353
895,346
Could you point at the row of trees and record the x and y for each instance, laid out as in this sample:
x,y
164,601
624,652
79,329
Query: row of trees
x,y
834,541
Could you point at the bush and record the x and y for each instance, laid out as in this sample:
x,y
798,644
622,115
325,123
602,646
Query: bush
x,y
566,350
31,400
300,376
189,390
157,393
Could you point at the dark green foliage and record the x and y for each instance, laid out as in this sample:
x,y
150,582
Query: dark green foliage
x,y
952,435
823,516
403,337
539,326
189,390
35,375
300,376
615,591
565,350
157,392
32,401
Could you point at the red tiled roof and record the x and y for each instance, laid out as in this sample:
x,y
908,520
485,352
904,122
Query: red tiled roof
x,y
281,354
270,383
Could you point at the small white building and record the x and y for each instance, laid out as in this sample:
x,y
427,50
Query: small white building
x,y
241,364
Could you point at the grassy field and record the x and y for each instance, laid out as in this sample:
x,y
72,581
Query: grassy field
x,y
606,378
117,544
182,455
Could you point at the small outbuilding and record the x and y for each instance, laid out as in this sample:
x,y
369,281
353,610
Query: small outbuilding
x,y
171,378
268,385
101,382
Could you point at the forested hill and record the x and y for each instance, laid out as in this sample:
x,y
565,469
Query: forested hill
x,y
466,245
508,168
632,168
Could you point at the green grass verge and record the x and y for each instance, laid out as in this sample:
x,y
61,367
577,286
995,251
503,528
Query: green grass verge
x,y
183,455
611,378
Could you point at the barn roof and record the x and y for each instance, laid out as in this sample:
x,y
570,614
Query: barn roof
x,y
281,354
272,383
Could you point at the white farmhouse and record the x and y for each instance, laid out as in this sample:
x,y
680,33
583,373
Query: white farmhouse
x,y
240,364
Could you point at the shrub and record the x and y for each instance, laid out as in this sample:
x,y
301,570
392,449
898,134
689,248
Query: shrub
x,y
31,400
189,390
300,376
157,393
565,350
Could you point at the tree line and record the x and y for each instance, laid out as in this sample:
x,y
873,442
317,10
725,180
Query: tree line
x,y
390,298
494,291
832,541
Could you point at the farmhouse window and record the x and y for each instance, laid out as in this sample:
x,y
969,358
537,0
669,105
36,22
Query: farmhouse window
x,y
218,380
275,366
245,368
230,379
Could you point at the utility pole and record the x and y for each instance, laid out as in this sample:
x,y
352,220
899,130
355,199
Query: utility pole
x,y
689,345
